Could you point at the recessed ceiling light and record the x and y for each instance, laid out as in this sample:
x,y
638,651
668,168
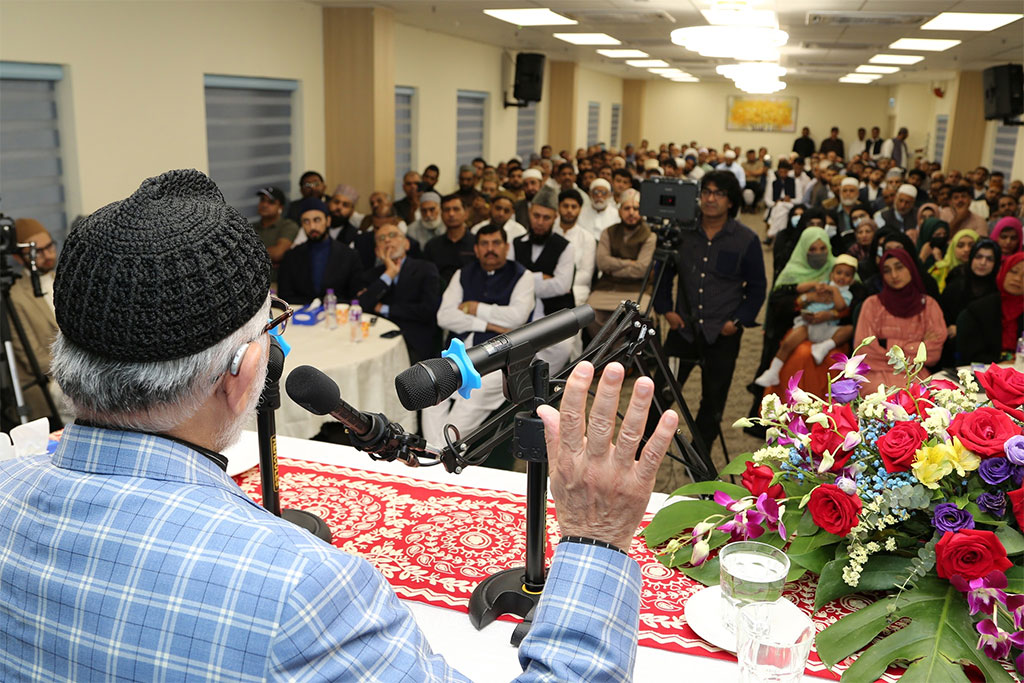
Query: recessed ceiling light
x,y
623,54
926,44
969,21
647,63
685,78
875,69
588,38
665,71
855,78
896,59
540,16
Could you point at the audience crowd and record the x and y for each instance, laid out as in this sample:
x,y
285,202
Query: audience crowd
x,y
867,238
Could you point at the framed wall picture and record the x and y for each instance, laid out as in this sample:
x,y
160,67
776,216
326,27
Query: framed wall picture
x,y
769,113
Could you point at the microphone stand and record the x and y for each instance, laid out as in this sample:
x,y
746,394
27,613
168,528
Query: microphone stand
x,y
266,429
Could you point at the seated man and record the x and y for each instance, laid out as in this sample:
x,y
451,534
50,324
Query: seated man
x,y
132,530
487,297
319,264
429,225
404,290
311,184
456,247
503,216
35,313
623,255
275,231
381,211
345,220
584,248
602,212
550,257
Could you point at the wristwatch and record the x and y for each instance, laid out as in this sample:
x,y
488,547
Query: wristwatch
x,y
737,323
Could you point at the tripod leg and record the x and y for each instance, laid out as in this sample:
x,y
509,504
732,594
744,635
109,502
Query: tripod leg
x,y
39,379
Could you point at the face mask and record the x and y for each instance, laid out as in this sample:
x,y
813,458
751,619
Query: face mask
x,y
830,230
794,220
817,261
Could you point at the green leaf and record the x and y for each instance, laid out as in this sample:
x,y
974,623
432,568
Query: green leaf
x,y
1011,540
938,640
806,527
815,560
802,545
1015,584
737,465
673,520
707,573
700,488
983,517
797,489
881,572
795,572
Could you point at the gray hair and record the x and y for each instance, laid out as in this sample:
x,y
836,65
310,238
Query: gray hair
x,y
151,396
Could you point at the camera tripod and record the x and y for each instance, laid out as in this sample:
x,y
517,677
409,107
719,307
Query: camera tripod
x,y
9,318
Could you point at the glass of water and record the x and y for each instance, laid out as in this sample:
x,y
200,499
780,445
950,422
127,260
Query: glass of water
x,y
750,572
773,640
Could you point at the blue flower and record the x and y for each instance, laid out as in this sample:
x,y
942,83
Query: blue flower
x,y
948,517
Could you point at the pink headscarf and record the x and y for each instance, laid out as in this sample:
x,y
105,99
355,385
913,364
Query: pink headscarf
x,y
1009,222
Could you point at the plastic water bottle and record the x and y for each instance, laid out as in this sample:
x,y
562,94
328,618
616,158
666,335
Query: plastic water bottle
x,y
355,316
1018,360
330,309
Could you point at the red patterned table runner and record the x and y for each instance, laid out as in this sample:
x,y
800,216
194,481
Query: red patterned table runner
x,y
435,542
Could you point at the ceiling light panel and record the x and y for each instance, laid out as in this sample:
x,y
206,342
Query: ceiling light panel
x,y
865,78
665,71
588,38
540,16
623,54
750,17
647,63
855,78
896,59
925,44
969,21
876,69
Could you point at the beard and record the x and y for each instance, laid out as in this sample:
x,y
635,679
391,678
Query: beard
x,y
316,237
432,224
529,195
849,202
599,205
539,239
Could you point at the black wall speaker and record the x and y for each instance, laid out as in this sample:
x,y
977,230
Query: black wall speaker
x,y
1004,91
529,77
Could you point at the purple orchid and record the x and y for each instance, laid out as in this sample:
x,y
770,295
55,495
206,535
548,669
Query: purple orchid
x,y
744,526
797,426
995,641
1015,605
844,390
769,507
1019,663
730,503
984,592
851,367
794,394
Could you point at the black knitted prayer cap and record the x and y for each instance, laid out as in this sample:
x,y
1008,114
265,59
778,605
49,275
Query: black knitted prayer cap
x,y
164,274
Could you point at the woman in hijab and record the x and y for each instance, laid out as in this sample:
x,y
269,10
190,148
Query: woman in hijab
x,y
974,280
993,342
785,242
957,252
903,315
1008,234
864,236
887,240
932,241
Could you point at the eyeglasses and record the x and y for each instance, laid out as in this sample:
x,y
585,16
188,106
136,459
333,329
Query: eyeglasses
x,y
708,192
277,325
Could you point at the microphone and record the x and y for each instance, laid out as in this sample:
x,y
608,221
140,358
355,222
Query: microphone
x,y
370,432
431,381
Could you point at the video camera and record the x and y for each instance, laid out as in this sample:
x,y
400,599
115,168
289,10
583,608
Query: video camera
x,y
670,206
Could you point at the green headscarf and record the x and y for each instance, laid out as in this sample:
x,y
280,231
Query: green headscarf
x,y
797,269
940,270
928,229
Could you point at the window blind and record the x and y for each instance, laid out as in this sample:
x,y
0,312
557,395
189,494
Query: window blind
x,y
593,117
1002,149
403,135
526,132
469,126
613,138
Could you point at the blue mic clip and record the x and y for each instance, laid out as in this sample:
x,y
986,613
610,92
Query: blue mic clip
x,y
470,377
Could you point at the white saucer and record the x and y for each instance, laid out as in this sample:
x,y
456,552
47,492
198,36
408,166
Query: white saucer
x,y
703,615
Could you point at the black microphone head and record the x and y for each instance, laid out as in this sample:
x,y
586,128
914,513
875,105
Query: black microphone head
x,y
313,390
427,383
275,361
584,315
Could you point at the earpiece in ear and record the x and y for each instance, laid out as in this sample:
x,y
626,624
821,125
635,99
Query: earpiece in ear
x,y
236,362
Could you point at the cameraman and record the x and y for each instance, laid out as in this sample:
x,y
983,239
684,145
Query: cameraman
x,y
721,289
36,316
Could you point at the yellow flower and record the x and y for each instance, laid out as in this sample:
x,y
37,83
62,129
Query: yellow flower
x,y
932,463
964,460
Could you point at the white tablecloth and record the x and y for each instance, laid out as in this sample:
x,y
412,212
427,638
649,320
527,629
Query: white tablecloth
x,y
364,371
484,655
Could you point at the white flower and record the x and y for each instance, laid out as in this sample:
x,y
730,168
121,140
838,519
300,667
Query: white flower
x,y
937,421
967,380
922,354
817,419
890,544
771,407
851,440
742,423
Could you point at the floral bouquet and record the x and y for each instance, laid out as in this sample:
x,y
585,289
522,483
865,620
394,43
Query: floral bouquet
x,y
914,491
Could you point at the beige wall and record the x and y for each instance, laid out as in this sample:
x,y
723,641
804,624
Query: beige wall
x,y
438,66
680,112
594,86
915,109
134,80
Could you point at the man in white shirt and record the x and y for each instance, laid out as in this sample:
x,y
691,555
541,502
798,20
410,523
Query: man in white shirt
x,y
503,215
485,298
584,248
730,165
896,149
602,212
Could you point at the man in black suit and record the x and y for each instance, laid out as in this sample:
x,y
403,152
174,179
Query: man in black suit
x,y
406,291
318,264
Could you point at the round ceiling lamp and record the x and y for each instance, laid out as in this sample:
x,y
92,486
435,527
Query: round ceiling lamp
x,y
746,43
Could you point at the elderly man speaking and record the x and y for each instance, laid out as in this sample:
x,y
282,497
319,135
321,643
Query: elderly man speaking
x,y
130,554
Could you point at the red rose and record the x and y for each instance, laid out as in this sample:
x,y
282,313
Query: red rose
x,y
1017,501
830,438
971,553
984,431
1005,386
834,510
898,445
915,401
757,479
942,384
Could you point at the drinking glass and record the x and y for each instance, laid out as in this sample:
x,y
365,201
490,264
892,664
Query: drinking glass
x,y
750,572
773,640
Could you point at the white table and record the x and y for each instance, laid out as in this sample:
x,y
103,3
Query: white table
x,y
484,655
364,371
